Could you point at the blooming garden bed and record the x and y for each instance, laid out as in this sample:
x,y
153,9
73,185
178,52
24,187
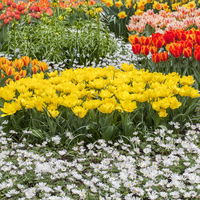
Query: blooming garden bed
x,y
99,100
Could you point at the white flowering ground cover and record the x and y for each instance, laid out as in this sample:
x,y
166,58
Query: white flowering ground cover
x,y
162,164
123,54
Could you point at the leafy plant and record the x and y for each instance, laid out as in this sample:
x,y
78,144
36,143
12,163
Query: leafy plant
x,y
116,16
51,39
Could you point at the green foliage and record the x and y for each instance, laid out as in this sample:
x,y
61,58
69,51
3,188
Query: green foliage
x,y
53,40
96,124
115,24
182,66
3,34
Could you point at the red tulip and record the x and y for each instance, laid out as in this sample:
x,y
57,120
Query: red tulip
x,y
14,5
198,39
164,56
169,37
158,41
20,7
6,21
176,50
144,50
156,58
136,48
197,53
145,40
2,16
17,17
9,2
1,6
153,49
187,52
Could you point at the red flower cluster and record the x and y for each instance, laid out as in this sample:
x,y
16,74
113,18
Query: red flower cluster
x,y
11,10
176,43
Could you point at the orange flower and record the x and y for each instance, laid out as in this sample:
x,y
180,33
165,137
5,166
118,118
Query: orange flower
x,y
10,71
43,66
118,4
17,77
26,60
187,52
133,39
153,49
91,2
158,42
164,56
23,73
109,3
122,15
145,50
176,50
145,40
18,63
188,43
156,58
35,69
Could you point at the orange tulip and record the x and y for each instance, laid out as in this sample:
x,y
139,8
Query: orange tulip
x,y
145,50
23,73
35,69
43,66
26,60
2,75
145,40
176,50
187,52
18,63
156,58
133,39
10,71
153,49
164,56
17,77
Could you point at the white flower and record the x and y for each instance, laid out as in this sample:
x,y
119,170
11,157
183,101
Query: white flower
x,y
147,150
56,139
69,135
30,193
63,152
175,194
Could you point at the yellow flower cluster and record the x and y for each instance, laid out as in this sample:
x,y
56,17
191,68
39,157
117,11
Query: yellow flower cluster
x,y
105,89
95,11
162,5
119,3
19,67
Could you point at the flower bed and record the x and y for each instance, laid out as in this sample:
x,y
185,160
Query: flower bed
x,y
81,124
